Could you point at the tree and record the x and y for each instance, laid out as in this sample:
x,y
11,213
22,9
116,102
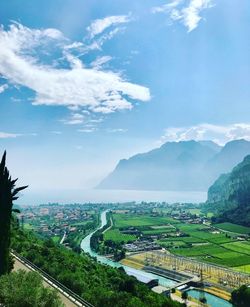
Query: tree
x,y
8,193
241,297
184,296
25,289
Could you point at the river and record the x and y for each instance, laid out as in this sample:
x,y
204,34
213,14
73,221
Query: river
x,y
139,274
143,276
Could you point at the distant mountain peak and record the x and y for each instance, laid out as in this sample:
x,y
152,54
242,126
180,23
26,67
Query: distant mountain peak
x,y
185,165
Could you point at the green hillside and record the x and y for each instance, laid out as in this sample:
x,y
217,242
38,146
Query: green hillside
x,y
229,196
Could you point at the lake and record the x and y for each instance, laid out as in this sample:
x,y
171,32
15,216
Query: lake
x,y
32,197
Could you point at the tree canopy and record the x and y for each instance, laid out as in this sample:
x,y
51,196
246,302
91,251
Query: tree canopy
x,y
241,297
98,284
25,289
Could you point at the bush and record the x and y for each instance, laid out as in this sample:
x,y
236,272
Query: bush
x,y
25,289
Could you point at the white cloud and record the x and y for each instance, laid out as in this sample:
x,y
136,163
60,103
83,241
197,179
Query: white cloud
x,y
166,7
3,88
121,130
88,130
100,61
5,135
77,86
75,119
217,133
188,12
99,25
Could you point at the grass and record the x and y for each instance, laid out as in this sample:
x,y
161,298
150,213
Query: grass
x,y
203,250
116,236
218,254
243,268
184,239
235,259
217,248
56,239
233,228
240,247
128,220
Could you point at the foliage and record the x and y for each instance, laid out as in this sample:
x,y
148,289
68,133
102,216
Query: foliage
x,y
229,196
100,285
241,297
25,289
184,295
8,193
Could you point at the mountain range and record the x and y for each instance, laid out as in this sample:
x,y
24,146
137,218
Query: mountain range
x,y
179,166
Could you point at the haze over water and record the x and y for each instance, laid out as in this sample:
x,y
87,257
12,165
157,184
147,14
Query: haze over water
x,y
84,196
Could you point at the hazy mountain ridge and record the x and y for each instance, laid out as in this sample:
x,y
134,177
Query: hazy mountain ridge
x,y
186,165
230,194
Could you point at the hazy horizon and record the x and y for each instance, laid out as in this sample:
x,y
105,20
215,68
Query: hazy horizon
x,y
32,197
83,86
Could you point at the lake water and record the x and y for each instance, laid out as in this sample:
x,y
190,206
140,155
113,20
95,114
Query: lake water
x,y
32,197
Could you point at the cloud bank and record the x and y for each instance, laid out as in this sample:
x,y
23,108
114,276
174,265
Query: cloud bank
x,y
188,12
217,133
67,81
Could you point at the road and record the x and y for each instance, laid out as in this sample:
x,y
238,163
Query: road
x,y
66,301
63,238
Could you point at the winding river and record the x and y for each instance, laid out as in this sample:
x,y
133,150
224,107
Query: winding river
x,y
143,276
139,274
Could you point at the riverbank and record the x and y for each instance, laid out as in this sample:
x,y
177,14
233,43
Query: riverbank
x,y
141,275
135,267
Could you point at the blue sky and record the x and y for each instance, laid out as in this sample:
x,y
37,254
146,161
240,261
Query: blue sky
x,y
86,83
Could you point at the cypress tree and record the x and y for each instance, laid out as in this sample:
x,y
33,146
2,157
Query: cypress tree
x,y
8,193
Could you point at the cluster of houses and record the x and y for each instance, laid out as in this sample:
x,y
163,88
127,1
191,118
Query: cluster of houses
x,y
55,220
141,245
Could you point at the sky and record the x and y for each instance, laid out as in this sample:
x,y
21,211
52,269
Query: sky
x,y
85,83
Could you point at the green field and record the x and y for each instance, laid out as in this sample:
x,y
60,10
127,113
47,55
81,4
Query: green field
x,y
128,220
183,239
240,247
214,253
243,268
200,241
116,236
233,228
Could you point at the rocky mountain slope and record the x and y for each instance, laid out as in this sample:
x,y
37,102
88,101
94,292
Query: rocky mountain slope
x,y
229,196
187,165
